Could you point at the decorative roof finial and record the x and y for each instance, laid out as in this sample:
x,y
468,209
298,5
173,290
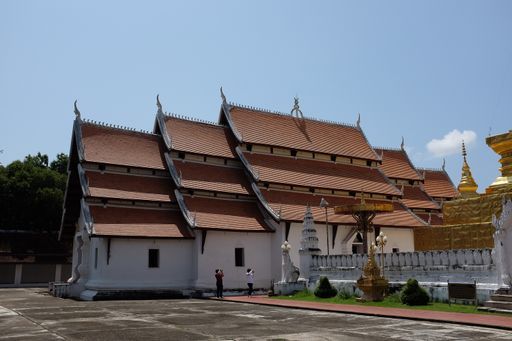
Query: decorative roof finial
x,y
159,105
402,145
358,120
77,112
296,109
444,164
467,186
222,96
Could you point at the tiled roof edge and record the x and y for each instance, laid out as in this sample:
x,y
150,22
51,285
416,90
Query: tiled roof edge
x,y
413,214
431,169
193,119
118,127
267,111
394,149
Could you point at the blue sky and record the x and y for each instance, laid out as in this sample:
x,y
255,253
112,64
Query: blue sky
x,y
418,69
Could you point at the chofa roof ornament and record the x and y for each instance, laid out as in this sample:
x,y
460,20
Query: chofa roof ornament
x,y
402,145
159,105
77,112
222,96
358,123
296,109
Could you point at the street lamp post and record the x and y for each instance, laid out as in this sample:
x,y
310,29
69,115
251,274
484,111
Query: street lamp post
x,y
381,241
325,204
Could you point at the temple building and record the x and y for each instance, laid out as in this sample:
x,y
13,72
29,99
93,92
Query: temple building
x,y
163,210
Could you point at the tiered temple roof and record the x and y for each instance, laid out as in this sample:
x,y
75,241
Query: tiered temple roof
x,y
282,130
438,184
247,173
215,192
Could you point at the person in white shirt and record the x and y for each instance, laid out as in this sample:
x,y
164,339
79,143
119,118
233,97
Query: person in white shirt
x,y
250,280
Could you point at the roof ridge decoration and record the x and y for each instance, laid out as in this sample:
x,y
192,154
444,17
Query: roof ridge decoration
x,y
402,145
222,96
296,108
119,127
423,169
393,149
358,123
159,105
192,119
76,111
280,113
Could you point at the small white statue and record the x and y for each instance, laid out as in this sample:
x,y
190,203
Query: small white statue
x,y
290,273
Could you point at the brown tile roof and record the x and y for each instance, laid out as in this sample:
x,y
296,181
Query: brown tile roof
x,y
415,197
292,206
396,164
438,184
435,218
216,214
200,138
311,135
212,178
319,174
400,217
130,187
134,222
122,147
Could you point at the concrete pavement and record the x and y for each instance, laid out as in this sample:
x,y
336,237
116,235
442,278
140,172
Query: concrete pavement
x,y
31,314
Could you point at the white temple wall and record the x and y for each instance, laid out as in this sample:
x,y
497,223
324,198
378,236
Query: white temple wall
x,y
219,253
128,266
397,238
295,235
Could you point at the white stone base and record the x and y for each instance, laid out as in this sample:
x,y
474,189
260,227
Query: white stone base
x,y
283,288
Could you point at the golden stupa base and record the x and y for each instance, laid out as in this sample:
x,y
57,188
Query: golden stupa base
x,y
373,289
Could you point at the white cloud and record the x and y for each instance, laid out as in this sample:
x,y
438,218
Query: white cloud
x,y
451,143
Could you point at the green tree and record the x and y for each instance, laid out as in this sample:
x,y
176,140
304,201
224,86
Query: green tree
x,y
60,164
31,194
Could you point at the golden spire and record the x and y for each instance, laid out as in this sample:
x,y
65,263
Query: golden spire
x,y
467,186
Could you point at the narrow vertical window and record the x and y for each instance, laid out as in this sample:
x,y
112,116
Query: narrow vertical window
x,y
96,258
239,256
153,258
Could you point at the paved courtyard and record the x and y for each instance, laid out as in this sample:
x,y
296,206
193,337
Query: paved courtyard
x,y
30,314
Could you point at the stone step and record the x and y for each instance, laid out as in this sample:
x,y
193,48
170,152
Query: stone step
x,y
501,298
499,305
495,310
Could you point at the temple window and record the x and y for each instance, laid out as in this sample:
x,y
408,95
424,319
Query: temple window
x,y
368,163
239,256
333,158
293,152
248,147
395,250
181,155
153,258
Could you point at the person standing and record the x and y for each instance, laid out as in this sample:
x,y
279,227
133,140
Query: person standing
x,y
250,280
219,274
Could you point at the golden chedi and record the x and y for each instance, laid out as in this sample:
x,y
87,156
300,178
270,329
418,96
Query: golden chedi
x,y
467,186
502,145
467,221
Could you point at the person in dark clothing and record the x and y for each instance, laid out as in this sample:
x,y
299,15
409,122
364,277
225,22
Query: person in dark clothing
x,y
219,274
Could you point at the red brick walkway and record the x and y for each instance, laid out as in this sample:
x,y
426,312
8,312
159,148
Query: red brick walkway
x,y
494,321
